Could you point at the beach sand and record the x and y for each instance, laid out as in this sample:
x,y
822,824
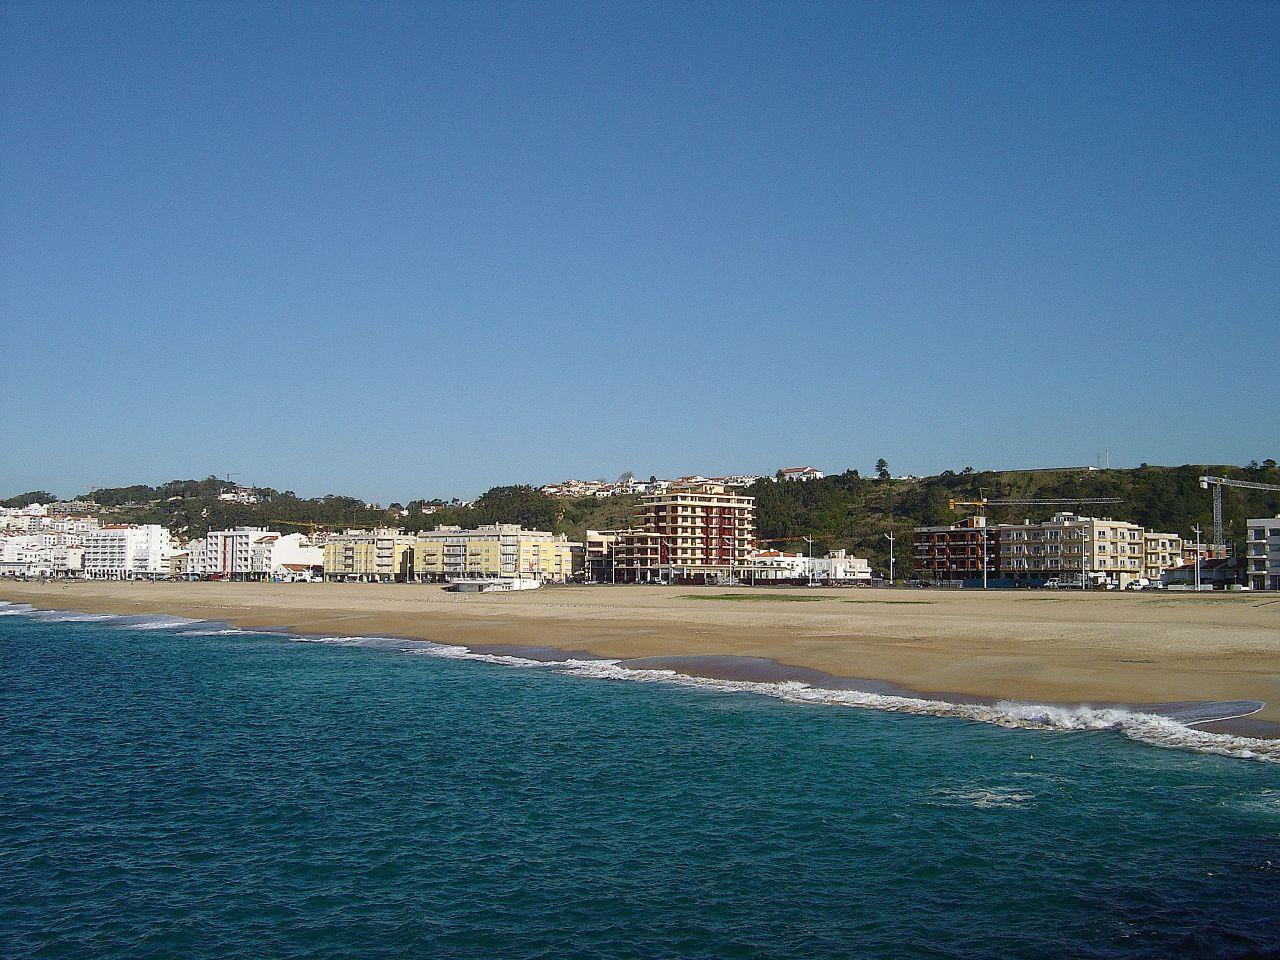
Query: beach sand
x,y
1034,646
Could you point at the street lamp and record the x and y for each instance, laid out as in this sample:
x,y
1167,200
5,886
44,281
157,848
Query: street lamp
x,y
809,540
890,537
1197,530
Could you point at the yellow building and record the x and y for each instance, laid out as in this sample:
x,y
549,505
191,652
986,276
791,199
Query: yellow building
x,y
1163,551
494,550
1097,550
367,555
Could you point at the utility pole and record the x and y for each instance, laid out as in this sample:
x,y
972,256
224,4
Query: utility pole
x,y
1084,563
1197,530
890,537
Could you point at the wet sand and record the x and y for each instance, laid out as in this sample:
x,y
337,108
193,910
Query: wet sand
x,y
1040,646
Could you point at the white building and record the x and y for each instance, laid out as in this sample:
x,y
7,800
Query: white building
x,y
1262,554
128,552
22,556
800,473
254,553
244,495
229,554
290,556
776,566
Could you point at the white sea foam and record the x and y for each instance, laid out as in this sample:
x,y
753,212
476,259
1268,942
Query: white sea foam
x,y
57,616
987,798
230,631
359,641
163,623
1148,728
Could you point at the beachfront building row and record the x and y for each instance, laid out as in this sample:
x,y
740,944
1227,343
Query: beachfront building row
x,y
40,555
250,553
1097,550
449,552
1262,553
36,541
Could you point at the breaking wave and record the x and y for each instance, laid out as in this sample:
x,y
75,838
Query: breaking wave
x,y
1149,728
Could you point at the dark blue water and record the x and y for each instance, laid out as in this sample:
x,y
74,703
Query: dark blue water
x,y
166,795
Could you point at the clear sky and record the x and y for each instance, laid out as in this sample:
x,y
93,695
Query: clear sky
x,y
418,249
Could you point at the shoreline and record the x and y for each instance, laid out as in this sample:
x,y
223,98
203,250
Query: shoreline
x,y
1178,726
872,641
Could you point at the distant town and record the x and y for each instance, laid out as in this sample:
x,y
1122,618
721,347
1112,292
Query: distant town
x,y
691,529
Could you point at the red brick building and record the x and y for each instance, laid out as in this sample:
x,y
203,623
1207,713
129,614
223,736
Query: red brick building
x,y
955,552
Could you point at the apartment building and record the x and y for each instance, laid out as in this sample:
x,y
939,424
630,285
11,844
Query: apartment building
x,y
956,551
252,553
1064,547
229,554
1262,554
1161,552
127,552
1101,550
494,550
382,555
40,555
695,532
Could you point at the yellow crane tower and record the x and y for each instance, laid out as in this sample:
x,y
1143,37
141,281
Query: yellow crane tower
x,y
1216,484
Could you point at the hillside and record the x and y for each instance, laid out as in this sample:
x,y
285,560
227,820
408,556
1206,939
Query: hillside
x,y
856,512
846,510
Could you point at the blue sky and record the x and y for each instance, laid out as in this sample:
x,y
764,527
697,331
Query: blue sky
x,y
404,250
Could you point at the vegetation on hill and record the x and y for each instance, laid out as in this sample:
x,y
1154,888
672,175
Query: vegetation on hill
x,y
191,508
26,499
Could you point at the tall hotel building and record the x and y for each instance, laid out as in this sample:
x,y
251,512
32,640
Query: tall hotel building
x,y
695,533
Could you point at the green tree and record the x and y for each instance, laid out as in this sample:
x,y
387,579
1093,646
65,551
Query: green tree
x,y
26,499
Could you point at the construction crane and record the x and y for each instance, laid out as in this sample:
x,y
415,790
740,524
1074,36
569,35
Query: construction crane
x,y
983,502
1216,484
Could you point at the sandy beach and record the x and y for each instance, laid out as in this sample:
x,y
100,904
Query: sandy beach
x,y
1039,647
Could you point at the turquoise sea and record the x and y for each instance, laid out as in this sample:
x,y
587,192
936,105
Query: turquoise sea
x,y
170,789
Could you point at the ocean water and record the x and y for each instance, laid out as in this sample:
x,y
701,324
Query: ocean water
x,y
178,789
